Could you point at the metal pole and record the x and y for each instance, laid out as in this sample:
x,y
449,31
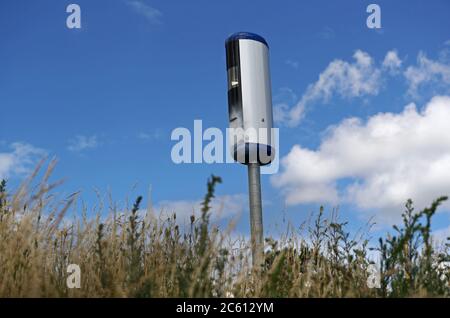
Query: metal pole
x,y
256,225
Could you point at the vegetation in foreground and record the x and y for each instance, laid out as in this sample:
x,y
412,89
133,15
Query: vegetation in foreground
x,y
132,254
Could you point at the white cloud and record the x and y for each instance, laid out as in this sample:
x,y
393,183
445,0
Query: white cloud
x,y
427,71
155,135
223,206
283,97
285,94
19,160
80,143
281,112
383,161
293,64
151,14
392,62
345,79
363,77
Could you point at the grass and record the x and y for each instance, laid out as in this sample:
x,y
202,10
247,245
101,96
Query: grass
x,y
134,254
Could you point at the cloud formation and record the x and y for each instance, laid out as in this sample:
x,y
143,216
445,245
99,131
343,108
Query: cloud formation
x,y
363,77
392,62
80,143
20,160
358,78
375,164
292,63
427,71
148,12
145,136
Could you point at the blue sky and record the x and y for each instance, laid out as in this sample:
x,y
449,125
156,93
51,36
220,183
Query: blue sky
x,y
104,99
